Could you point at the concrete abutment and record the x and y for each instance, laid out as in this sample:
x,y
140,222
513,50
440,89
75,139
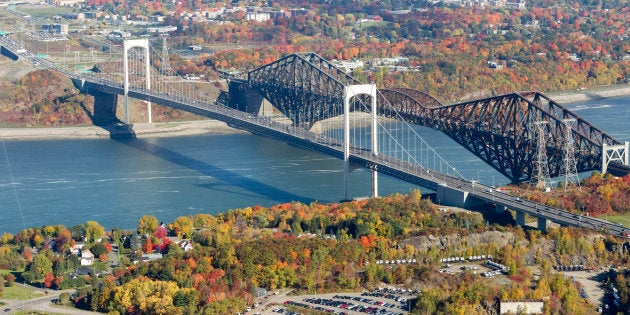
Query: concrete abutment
x,y
105,104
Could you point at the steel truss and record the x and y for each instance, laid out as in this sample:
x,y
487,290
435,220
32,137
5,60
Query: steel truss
x,y
302,83
500,130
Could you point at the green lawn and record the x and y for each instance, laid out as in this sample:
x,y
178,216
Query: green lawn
x,y
43,12
622,219
17,292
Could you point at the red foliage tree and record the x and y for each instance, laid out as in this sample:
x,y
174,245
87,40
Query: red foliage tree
x,y
48,279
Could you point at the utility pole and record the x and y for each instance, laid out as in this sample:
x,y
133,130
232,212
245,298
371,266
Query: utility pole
x,y
569,164
540,174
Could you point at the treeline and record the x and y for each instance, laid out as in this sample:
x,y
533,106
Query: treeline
x,y
307,248
597,195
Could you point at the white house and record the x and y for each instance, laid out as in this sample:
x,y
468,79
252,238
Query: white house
x,y
185,245
87,258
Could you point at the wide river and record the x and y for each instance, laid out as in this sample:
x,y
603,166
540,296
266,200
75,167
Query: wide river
x,y
115,182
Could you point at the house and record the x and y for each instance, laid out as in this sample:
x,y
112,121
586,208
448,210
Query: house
x,y
83,271
76,249
260,292
348,65
148,257
495,65
87,258
185,245
258,16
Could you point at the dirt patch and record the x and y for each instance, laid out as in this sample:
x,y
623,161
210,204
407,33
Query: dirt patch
x,y
591,282
13,71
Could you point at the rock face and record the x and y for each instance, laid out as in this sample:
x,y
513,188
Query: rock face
x,y
501,239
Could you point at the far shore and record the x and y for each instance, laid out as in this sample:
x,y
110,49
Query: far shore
x,y
603,92
146,130
140,130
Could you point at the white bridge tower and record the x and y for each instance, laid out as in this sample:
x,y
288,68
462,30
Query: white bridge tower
x,y
127,45
349,92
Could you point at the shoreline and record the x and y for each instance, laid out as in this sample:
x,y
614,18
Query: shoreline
x,y
186,128
602,92
140,130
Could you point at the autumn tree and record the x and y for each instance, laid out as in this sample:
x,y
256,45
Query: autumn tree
x,y
147,224
93,231
182,226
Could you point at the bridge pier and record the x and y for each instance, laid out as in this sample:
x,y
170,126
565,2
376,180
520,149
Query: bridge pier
x,y
542,224
249,100
456,198
520,218
500,209
105,104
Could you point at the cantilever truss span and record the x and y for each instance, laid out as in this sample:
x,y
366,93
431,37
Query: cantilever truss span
x,y
500,130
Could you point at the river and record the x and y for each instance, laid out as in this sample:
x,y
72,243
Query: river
x,y
115,182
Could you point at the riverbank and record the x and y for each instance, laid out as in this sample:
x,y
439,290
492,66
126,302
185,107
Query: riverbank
x,y
567,97
139,130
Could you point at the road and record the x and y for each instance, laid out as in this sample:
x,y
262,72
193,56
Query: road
x,y
42,303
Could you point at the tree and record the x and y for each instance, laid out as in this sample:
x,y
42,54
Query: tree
x,y
93,231
147,224
49,278
78,232
148,246
146,296
182,226
64,298
41,265
99,249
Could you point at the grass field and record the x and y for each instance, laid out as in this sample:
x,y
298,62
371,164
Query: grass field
x,y
17,292
621,219
44,11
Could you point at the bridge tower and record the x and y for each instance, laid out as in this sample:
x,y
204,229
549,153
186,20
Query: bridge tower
x,y
569,165
618,153
127,45
540,176
349,92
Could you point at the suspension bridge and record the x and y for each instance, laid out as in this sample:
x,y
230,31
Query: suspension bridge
x,y
317,106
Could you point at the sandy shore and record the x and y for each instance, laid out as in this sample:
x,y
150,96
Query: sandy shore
x,y
140,130
592,94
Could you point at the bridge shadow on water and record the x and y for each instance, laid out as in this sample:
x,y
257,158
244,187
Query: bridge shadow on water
x,y
124,134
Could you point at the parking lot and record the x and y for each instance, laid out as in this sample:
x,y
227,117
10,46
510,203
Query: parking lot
x,y
377,302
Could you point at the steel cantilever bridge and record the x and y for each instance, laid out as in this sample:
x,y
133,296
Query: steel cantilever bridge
x,y
500,130
326,110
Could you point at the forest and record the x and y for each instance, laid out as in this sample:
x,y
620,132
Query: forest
x,y
598,195
312,248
